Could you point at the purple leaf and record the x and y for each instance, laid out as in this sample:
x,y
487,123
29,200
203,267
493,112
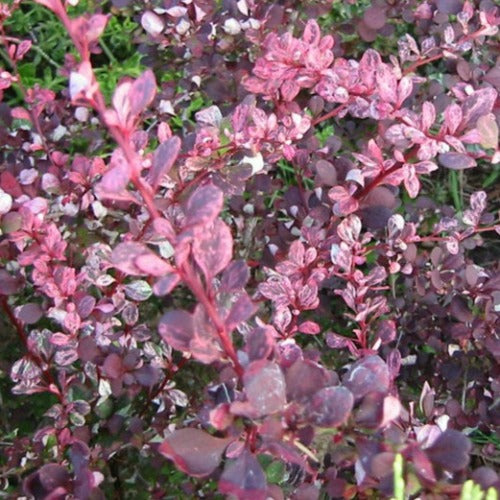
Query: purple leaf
x,y
369,374
456,161
163,160
113,366
166,284
241,310
265,387
29,313
142,92
47,482
303,378
235,276
259,343
204,205
194,451
176,328
213,249
478,104
244,478
450,450
9,285
330,406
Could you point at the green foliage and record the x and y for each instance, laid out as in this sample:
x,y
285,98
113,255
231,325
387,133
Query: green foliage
x,y
473,491
399,482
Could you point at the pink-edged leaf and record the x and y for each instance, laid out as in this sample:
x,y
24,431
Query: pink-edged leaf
x,y
213,249
115,180
194,451
412,184
456,161
478,104
289,90
137,259
369,374
163,160
405,88
309,328
124,255
177,329
142,92
95,27
387,83
368,65
244,478
330,406
312,33
349,229
205,345
452,117
265,388
428,116
204,205
241,311
152,264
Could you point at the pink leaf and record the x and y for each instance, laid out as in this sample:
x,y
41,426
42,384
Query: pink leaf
x,y
213,249
194,451
204,205
478,104
137,259
387,83
150,263
241,311
312,33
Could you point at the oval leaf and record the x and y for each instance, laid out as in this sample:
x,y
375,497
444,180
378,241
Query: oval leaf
x,y
194,451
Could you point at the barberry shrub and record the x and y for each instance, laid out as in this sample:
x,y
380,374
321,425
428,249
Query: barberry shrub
x,y
264,265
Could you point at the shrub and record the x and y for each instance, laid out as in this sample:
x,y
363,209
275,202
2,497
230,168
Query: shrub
x,y
263,264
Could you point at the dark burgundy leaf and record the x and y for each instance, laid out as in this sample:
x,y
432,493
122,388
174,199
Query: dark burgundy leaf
x,y
45,481
177,329
213,249
456,161
244,478
304,378
265,387
113,366
163,160
450,450
369,374
194,451
330,407
204,205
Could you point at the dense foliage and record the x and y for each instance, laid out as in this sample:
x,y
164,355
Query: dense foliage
x,y
248,248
